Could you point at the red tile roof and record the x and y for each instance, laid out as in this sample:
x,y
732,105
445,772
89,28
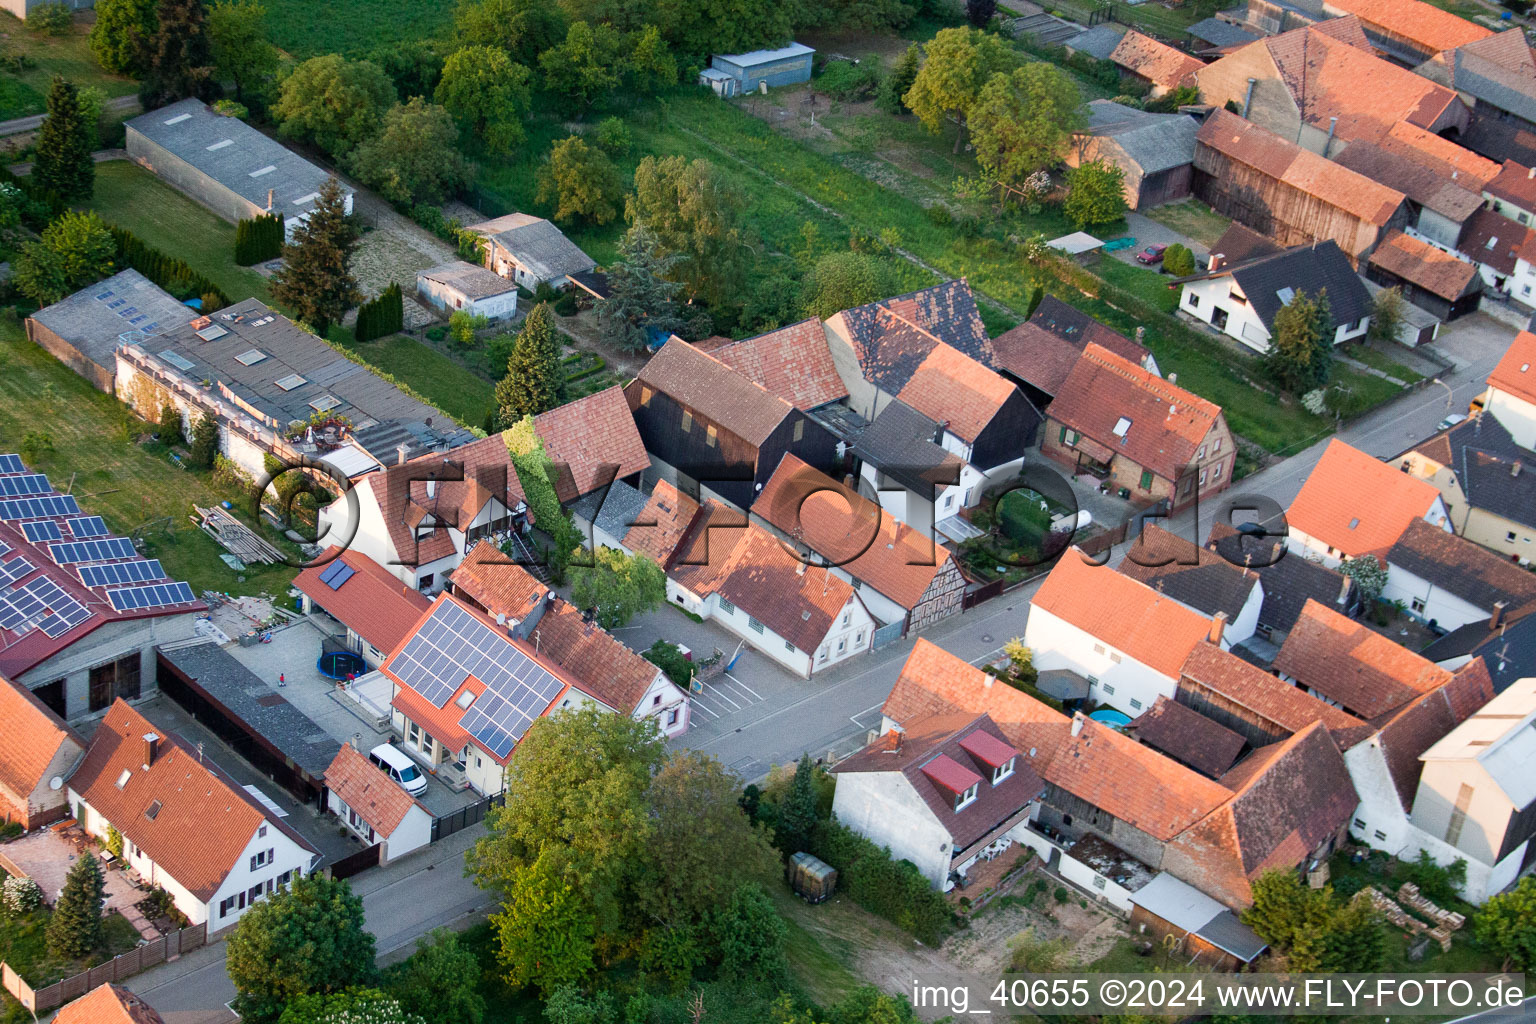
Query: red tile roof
x,y
1167,424
1125,614
1329,506
793,362
1425,25
951,774
1515,183
108,1004
1421,264
850,531
662,524
951,388
376,798
719,393
372,602
31,737
587,435
1288,163
597,663
1355,666
1498,242
1516,373
1291,796
1188,736
196,798
1157,62
491,580
1037,356
1269,698
991,751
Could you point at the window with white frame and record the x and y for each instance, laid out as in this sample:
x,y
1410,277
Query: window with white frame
x,y
261,858
968,797
1003,770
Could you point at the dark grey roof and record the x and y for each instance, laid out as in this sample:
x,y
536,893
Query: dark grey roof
x,y
1288,584
900,444
1220,33
1494,84
1305,268
234,154
621,508
468,279
313,375
1226,932
124,308
1510,653
245,697
1190,910
1506,487
1156,142
1098,42
1460,567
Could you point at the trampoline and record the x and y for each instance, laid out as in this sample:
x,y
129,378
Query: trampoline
x,y
341,664
1112,718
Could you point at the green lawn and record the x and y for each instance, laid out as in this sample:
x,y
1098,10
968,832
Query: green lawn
x,y
1192,218
23,946
352,27
130,197
1372,356
135,488
22,93
440,380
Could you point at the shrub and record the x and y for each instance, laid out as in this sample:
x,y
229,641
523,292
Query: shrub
x,y
21,895
11,830
51,19
894,890
259,239
1061,894
1437,884
1178,260
850,82
383,316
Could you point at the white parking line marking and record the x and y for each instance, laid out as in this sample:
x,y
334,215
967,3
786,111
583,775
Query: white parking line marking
x,y
744,686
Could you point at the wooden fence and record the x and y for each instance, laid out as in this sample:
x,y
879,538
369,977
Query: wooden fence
x,y
128,964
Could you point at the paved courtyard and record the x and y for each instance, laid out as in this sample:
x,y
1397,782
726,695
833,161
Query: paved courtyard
x,y
46,856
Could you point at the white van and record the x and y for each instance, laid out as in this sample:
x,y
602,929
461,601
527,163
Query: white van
x,y
398,766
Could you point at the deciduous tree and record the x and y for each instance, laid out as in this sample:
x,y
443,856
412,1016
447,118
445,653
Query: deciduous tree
x,y
1023,121
414,158
75,928
535,380
1369,575
1388,315
1301,351
581,183
980,12
440,981
641,295
750,936
315,280
585,66
723,26
651,64
75,250
333,102
957,64
694,212
63,165
354,1006
523,28
843,280
488,95
121,34
1507,925
306,939
179,58
618,586
1095,194
414,65
237,30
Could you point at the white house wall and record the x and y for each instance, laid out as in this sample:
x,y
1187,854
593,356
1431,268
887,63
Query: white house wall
x,y
1116,678
1515,415
884,808
1089,880
1200,299
1428,602
287,856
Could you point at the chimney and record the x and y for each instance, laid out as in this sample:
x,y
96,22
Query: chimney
x,y
1333,124
1141,336
1215,261
1248,99
1530,174
1077,724
1514,470
400,451
986,680
1218,627
1344,583
431,486
1496,620
270,193
1173,378
151,745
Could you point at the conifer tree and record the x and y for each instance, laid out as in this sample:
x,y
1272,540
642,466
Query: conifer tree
x,y
535,381
179,58
639,298
205,442
75,928
63,164
315,280
797,814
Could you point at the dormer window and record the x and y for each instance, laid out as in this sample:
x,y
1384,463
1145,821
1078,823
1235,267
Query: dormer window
x,y
964,800
1003,770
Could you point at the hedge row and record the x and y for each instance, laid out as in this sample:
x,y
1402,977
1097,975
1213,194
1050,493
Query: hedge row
x,y
892,889
383,316
174,275
259,239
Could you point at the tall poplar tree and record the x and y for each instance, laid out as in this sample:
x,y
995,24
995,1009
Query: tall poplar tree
x,y
535,381
315,280
63,164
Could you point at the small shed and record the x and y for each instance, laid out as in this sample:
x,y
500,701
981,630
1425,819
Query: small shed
x,y
731,74
1156,152
458,285
814,879
1208,931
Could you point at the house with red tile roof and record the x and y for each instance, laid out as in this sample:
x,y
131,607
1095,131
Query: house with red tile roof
x,y
374,606
1127,639
1155,65
1511,394
37,750
157,791
1320,87
418,518
965,791
792,362
1115,811
1257,705
904,578
1429,277
108,1004
1409,30
597,663
1148,438
1329,522
375,807
1353,667
1504,251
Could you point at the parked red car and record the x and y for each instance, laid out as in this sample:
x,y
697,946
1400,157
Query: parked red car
x,y
1151,254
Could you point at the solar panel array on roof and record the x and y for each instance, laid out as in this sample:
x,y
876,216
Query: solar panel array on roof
x,y
14,569
39,508
156,595
12,464
45,602
114,573
42,530
337,573
453,645
86,526
24,484
91,550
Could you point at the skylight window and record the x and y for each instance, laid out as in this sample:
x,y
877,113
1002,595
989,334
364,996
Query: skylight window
x,y
325,403
213,332
1121,426
305,199
221,144
250,357
122,780
1286,295
180,362
179,118
1354,523
290,382
153,810
466,699
263,170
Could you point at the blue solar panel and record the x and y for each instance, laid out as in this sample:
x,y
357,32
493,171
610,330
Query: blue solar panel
x,y
156,595
454,644
86,526
336,575
23,485
114,573
91,550
14,570
39,508
42,530
44,598
12,464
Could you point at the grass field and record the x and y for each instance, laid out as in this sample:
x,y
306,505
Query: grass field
x,y
132,198
1191,218
131,486
453,388
352,27
68,56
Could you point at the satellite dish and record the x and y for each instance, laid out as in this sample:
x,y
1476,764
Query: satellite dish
x,y
56,783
